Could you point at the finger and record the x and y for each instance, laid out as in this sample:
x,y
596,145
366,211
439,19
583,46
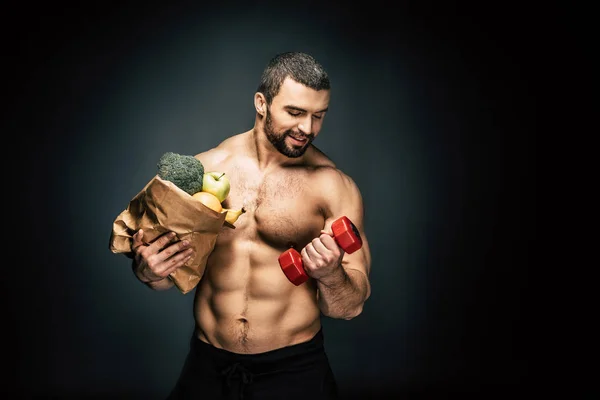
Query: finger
x,y
326,232
328,242
321,246
137,239
167,261
308,260
163,241
312,252
174,251
170,265
178,261
327,249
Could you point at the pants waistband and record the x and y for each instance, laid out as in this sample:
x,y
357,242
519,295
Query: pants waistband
x,y
273,359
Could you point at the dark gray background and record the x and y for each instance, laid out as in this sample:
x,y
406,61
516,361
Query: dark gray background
x,y
433,115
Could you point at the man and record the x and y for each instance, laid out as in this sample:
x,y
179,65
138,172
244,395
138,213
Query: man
x,y
256,334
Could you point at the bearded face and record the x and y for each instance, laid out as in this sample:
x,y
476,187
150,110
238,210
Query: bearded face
x,y
293,147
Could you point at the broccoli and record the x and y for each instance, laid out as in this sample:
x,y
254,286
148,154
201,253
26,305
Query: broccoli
x,y
186,172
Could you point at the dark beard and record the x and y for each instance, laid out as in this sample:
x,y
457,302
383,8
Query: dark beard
x,y
279,141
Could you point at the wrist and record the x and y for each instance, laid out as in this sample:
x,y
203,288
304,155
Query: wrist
x,y
142,277
335,279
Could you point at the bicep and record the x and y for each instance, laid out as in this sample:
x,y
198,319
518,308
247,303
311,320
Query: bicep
x,y
346,200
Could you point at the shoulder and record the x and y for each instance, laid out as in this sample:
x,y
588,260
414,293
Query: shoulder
x,y
326,172
221,153
338,190
336,181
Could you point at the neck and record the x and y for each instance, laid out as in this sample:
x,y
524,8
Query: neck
x,y
266,154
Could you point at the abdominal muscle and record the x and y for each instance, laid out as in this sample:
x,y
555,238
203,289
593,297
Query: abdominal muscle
x,y
245,304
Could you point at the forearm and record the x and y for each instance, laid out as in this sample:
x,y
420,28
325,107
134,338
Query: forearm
x,y
343,293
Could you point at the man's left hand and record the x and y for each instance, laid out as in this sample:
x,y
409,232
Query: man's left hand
x,y
322,257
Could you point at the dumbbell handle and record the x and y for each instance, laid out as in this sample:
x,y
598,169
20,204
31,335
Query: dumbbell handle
x,y
344,233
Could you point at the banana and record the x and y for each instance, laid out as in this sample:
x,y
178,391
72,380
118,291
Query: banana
x,y
233,215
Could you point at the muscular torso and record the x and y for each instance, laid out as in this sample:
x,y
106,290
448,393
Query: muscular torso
x,y
244,303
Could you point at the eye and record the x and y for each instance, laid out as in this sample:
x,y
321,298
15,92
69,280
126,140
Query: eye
x,y
294,113
317,116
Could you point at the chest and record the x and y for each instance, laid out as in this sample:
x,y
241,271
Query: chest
x,y
283,209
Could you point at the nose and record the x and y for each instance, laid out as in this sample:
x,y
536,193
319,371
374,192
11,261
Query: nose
x,y
305,126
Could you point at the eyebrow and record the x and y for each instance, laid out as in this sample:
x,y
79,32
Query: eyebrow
x,y
301,109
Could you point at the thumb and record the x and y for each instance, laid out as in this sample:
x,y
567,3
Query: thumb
x,y
325,232
137,239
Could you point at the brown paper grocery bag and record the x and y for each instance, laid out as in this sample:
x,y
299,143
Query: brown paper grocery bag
x,y
161,207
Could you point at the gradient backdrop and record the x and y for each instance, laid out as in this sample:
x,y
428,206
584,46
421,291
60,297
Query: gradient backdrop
x,y
433,117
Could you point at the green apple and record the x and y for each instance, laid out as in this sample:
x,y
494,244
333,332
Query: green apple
x,y
216,183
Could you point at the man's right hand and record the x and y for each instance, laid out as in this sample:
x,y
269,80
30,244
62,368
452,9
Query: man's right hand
x,y
155,261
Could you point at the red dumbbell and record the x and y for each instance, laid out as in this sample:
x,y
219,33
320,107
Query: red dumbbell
x,y
346,236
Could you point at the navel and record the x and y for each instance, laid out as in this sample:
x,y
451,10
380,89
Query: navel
x,y
244,328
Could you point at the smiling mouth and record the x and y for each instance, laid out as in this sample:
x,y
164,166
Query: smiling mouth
x,y
300,140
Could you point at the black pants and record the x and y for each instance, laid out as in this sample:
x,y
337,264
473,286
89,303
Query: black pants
x,y
301,371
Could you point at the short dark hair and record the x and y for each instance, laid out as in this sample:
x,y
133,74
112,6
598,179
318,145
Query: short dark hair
x,y
301,67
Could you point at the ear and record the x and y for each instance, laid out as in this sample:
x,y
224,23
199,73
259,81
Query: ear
x,y
260,103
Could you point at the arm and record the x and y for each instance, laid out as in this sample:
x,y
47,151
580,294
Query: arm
x,y
342,279
153,263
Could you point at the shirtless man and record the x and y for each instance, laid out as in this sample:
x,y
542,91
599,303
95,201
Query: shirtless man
x,y
257,335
